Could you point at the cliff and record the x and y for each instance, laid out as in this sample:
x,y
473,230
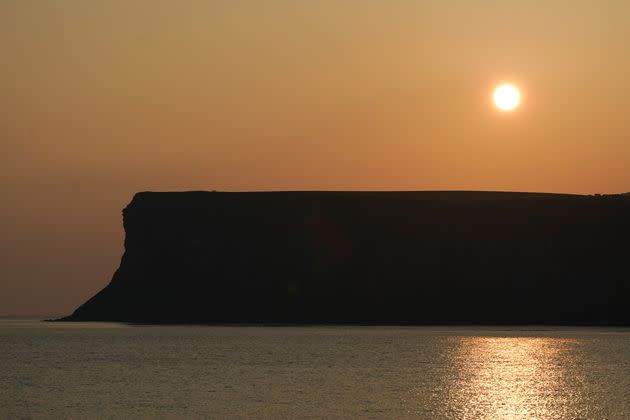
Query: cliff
x,y
370,257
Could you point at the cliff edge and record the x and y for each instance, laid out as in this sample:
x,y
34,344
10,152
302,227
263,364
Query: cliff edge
x,y
370,257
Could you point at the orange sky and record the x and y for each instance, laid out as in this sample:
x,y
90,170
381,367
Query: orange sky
x,y
102,99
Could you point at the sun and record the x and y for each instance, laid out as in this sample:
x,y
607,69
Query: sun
x,y
507,97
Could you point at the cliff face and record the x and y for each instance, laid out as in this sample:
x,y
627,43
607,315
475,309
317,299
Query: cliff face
x,y
414,257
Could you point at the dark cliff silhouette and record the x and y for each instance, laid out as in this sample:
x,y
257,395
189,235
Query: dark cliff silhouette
x,y
371,257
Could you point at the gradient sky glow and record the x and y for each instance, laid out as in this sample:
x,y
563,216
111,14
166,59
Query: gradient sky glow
x,y
100,99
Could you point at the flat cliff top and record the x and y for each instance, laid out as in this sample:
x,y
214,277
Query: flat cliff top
x,y
447,195
492,200
434,196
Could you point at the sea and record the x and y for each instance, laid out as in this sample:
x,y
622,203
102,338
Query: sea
x,y
110,370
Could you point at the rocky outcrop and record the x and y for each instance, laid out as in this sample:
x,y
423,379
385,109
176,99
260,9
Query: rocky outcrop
x,y
370,257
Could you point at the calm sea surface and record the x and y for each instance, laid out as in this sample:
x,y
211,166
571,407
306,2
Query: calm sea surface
x,y
113,370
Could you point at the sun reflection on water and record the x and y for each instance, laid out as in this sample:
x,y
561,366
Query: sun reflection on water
x,y
512,378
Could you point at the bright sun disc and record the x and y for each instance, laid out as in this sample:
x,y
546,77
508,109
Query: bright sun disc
x,y
507,97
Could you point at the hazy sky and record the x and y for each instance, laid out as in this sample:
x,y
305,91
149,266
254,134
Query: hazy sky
x,y
100,99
